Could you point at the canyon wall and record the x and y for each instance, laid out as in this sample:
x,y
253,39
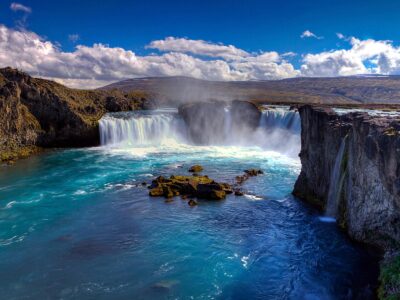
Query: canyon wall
x,y
368,192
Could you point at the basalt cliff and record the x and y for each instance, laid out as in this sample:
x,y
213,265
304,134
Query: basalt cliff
x,y
363,152
38,113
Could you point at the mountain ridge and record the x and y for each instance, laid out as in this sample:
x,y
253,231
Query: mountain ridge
x,y
350,90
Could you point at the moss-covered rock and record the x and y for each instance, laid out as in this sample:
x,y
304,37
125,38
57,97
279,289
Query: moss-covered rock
x,y
195,186
195,169
390,280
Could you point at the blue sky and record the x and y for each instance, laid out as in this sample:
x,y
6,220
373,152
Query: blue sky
x,y
255,27
249,25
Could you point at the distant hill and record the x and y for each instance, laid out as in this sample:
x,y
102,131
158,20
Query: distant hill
x,y
362,89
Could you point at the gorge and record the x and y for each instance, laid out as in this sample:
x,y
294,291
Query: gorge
x,y
107,225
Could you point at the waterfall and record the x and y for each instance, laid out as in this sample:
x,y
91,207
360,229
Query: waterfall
x,y
140,129
278,130
336,182
281,117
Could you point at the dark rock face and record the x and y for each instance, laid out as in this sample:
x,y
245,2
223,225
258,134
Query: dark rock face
x,y
205,121
208,122
38,112
245,114
369,201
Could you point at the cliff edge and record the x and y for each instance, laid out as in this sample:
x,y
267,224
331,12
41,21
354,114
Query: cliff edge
x,y
351,170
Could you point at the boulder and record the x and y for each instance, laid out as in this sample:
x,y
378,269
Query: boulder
x,y
253,172
195,169
192,202
195,186
238,192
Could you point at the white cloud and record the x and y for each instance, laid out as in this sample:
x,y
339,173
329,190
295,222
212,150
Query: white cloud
x,y
20,7
198,47
364,57
100,64
340,36
309,34
73,37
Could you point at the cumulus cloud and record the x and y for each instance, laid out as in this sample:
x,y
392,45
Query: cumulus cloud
x,y
198,47
20,7
309,34
364,57
100,63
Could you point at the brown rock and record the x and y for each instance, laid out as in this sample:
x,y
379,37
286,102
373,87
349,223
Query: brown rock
x,y
238,193
253,172
196,169
156,192
192,202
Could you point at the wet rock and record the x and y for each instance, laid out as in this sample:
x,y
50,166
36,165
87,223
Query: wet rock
x,y
196,169
253,172
192,202
165,285
212,191
195,186
238,193
167,192
156,192
241,179
169,200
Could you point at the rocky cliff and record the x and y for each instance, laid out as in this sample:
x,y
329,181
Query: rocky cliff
x,y
41,113
363,152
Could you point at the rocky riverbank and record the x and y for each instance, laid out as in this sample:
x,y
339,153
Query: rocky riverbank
x,y
38,113
363,152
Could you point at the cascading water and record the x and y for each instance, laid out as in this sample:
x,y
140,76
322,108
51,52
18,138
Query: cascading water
x,y
281,117
278,130
141,129
336,182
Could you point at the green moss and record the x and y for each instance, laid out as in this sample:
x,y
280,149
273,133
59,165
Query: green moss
x,y
23,152
390,280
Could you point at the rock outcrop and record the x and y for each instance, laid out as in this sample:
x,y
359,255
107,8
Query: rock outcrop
x,y
213,122
41,113
368,192
201,187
